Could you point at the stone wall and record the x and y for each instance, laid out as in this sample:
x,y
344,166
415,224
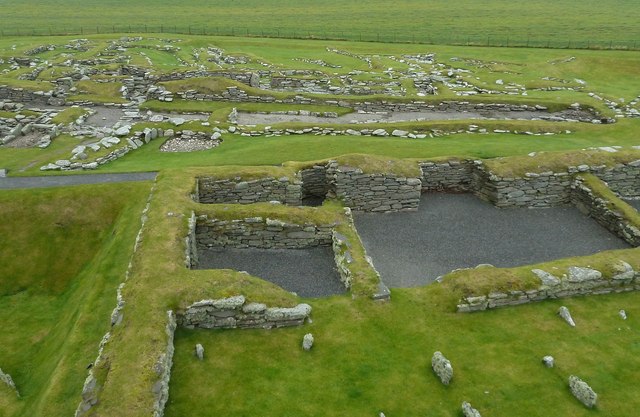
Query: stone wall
x,y
598,208
623,179
20,95
577,281
285,190
373,192
546,189
256,232
453,176
236,313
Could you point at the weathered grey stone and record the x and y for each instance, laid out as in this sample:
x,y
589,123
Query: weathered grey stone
x,y
622,314
307,341
623,271
469,411
548,361
546,278
200,351
566,315
254,308
582,391
580,274
379,132
301,311
123,131
8,381
442,367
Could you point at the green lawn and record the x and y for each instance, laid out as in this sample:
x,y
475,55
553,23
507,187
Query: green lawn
x,y
64,252
560,23
369,358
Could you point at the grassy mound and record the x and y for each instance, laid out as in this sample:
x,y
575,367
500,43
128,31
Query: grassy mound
x,y
64,253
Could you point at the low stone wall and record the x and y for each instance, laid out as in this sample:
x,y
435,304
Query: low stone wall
x,y
577,281
373,192
236,313
596,207
20,95
547,189
162,369
453,176
285,190
623,179
256,232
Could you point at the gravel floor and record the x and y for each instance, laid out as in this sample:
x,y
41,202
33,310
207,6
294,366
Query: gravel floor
x,y
634,203
307,272
60,181
459,230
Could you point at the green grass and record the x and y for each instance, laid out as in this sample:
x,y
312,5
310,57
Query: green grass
x,y
498,22
61,265
97,92
69,115
369,358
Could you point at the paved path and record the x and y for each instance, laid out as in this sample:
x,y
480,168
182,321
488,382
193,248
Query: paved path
x,y
459,230
307,272
64,180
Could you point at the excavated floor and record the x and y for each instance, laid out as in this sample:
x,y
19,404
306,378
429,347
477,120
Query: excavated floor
x,y
452,231
308,272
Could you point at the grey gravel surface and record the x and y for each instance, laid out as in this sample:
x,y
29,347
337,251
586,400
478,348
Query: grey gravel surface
x,y
452,231
634,203
307,272
61,181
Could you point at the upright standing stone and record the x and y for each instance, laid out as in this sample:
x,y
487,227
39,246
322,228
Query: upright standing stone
x,y
442,367
200,351
307,341
566,315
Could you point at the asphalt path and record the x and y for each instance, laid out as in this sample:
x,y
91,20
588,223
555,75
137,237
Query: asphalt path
x,y
66,180
308,272
452,231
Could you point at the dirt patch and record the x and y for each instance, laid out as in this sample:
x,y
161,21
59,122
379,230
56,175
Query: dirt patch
x,y
30,140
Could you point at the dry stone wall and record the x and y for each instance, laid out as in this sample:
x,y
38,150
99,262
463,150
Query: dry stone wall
x,y
577,281
236,313
596,207
314,182
452,176
257,232
284,190
623,179
373,192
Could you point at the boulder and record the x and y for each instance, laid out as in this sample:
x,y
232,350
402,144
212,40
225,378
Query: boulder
x,y
566,315
307,341
442,367
548,361
582,391
123,131
469,411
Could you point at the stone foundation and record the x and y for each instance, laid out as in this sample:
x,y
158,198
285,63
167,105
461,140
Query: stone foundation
x,y
284,190
236,313
577,281
450,176
598,208
373,192
256,232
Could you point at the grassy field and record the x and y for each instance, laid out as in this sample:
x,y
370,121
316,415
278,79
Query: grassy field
x,y
64,252
562,23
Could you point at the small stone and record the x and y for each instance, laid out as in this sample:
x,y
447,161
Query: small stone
x,y
442,367
548,361
200,351
469,411
623,314
566,315
582,391
307,341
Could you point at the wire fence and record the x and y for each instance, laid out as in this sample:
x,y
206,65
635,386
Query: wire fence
x,y
371,36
